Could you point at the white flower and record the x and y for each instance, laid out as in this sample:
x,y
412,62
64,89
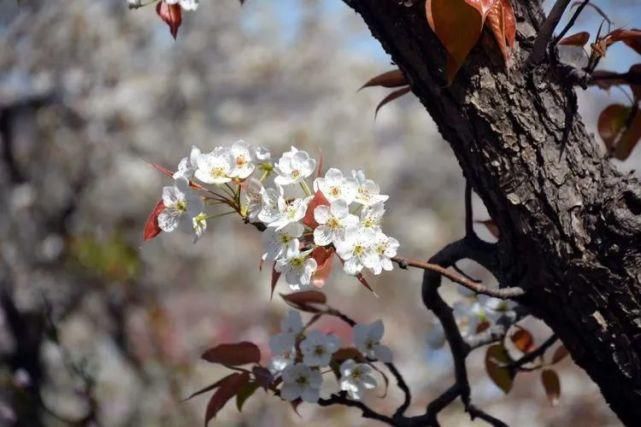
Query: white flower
x,y
371,216
357,250
200,225
292,324
367,339
298,268
187,165
185,4
253,198
290,211
270,211
282,243
356,378
262,154
335,186
317,348
299,381
367,191
496,308
283,351
333,220
242,158
182,206
293,167
469,316
215,167
385,248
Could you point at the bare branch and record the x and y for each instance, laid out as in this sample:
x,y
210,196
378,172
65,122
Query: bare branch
x,y
545,34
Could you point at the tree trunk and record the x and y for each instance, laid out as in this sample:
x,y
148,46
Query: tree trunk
x,y
570,222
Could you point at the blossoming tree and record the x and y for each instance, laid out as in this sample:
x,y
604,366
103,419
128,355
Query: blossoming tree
x,y
567,221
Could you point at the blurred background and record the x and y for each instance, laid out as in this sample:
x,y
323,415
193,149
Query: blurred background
x,y
97,328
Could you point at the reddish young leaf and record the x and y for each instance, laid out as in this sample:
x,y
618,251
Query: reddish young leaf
x,y
227,389
245,393
171,14
391,97
502,22
522,340
578,39
318,200
390,79
305,300
235,354
630,137
208,388
262,376
552,385
324,259
559,354
631,38
496,358
275,277
151,226
458,25
611,122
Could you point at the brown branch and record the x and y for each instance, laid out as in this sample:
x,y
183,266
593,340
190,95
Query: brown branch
x,y
545,34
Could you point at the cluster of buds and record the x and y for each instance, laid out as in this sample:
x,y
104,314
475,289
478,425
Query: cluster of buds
x,y
298,357
305,222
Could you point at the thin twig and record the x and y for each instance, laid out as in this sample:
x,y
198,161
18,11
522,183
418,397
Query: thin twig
x,y
545,34
571,22
503,293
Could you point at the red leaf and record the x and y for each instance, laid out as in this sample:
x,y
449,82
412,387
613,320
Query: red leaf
x,y
275,277
236,354
208,388
151,226
522,340
458,25
390,79
619,130
552,385
631,38
318,200
171,14
325,260
578,39
496,358
502,22
227,389
305,300
391,97
263,376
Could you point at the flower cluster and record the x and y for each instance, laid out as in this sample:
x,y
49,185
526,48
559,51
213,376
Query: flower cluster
x,y
298,357
304,225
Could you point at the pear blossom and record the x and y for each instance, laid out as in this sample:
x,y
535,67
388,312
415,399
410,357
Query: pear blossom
x,y
496,308
282,243
356,250
290,211
187,165
469,315
185,4
335,186
283,351
367,191
332,222
372,215
298,268
317,348
385,248
215,167
356,378
292,323
262,154
367,339
242,155
254,199
293,167
271,202
300,381
182,206
200,225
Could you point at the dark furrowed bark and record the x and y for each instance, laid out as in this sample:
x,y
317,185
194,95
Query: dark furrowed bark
x,y
570,222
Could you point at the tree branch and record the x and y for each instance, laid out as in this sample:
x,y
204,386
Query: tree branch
x,y
545,34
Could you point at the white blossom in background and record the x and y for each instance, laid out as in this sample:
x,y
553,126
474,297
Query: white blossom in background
x,y
317,348
215,167
435,336
367,339
182,206
293,167
292,323
367,191
356,378
199,223
335,186
298,268
282,243
300,381
357,250
496,308
332,221
283,351
185,4
242,156
469,315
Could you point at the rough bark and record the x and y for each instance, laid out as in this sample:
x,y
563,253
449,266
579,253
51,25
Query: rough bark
x,y
570,222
